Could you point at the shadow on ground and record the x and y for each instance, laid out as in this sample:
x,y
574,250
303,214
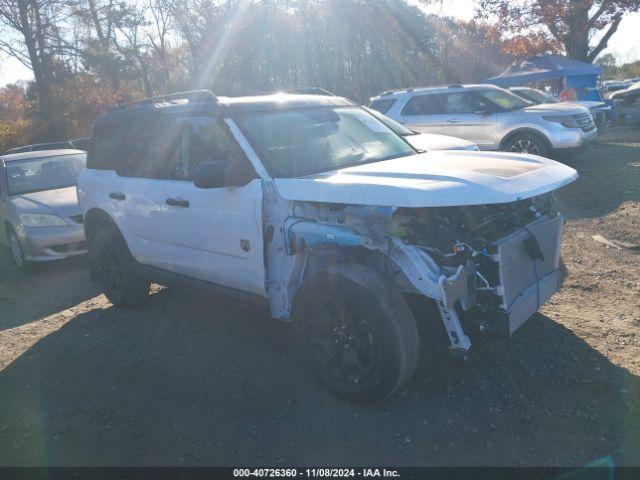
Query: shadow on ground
x,y
48,295
194,381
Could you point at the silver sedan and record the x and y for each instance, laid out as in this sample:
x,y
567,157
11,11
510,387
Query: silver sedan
x,y
39,212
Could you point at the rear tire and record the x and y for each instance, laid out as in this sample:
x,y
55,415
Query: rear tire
x,y
115,269
357,334
527,143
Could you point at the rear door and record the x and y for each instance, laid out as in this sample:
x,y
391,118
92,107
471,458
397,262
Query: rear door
x,y
424,113
212,234
136,192
468,116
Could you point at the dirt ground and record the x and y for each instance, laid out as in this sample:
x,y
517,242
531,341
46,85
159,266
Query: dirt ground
x,y
189,380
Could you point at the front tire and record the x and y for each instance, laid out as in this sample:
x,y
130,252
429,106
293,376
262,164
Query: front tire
x,y
527,143
115,269
17,253
358,335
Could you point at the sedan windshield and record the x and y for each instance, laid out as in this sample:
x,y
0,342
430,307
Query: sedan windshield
x,y
505,101
44,173
535,96
293,143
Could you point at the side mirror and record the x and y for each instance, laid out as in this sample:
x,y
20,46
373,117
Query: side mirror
x,y
220,173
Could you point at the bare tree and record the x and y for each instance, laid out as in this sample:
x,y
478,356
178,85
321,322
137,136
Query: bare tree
x,y
31,36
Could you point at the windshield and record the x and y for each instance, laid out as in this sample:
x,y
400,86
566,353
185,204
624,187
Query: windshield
x,y
295,143
505,101
392,124
535,96
44,173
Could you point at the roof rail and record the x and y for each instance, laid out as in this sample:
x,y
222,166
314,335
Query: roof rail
x,y
192,96
310,91
455,85
399,90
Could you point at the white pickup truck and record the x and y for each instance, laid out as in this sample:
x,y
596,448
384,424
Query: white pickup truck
x,y
313,206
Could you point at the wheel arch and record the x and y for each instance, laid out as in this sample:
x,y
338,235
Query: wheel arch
x,y
94,219
529,130
322,257
6,228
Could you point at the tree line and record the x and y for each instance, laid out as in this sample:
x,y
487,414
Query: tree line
x,y
87,55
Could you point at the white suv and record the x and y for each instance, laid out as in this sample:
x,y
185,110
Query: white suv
x,y
313,206
491,117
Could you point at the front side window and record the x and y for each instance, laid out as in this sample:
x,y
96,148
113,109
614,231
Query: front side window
x,y
503,101
44,173
301,142
462,102
535,96
207,140
200,139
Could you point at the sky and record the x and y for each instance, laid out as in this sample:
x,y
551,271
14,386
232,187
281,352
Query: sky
x,y
625,43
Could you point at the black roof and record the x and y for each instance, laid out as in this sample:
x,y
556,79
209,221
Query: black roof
x,y
203,101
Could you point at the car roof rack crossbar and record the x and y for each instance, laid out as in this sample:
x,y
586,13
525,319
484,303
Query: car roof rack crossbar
x,y
192,96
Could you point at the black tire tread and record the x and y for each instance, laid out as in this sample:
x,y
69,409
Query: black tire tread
x,y
395,309
137,292
545,150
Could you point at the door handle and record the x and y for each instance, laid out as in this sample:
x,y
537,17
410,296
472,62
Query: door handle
x,y
177,202
453,120
117,196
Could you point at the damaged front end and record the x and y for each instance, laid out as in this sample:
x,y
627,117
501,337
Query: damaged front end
x,y
488,267
500,263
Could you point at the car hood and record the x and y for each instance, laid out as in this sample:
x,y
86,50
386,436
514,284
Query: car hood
x,y
433,141
62,202
561,108
433,179
632,89
590,104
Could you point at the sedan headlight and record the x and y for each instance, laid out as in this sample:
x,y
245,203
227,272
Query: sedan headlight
x,y
565,120
41,220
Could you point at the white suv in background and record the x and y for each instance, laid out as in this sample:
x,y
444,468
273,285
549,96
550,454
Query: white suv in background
x,y
490,117
312,205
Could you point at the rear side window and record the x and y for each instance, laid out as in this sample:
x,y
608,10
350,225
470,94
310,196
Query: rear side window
x,y
382,106
424,105
151,148
104,147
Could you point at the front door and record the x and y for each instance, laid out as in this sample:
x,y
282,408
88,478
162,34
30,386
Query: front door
x,y
468,116
212,234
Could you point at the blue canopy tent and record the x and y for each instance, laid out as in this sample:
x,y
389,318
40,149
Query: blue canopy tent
x,y
579,75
